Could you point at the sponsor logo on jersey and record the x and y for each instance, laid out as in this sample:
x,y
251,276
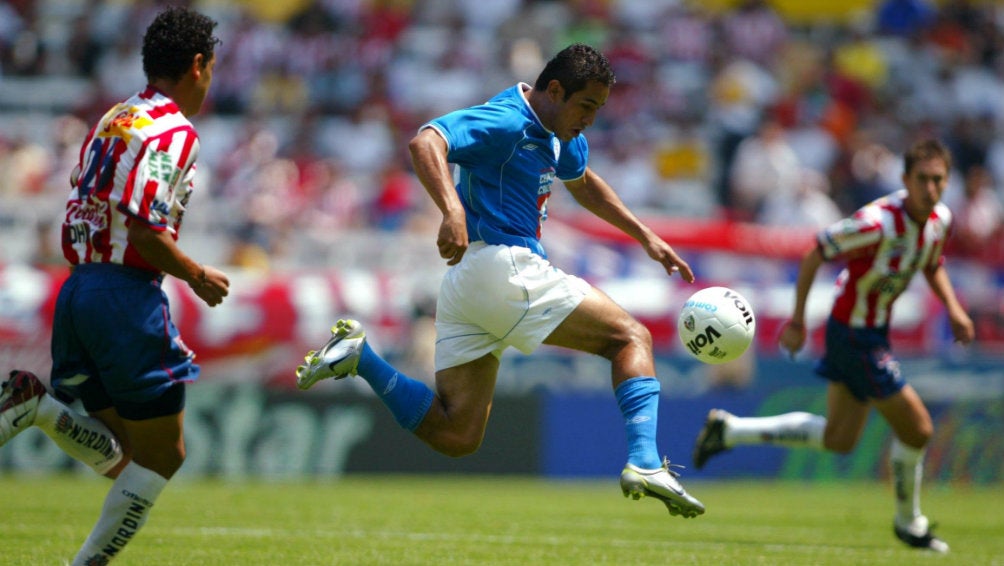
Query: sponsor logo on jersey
x,y
84,217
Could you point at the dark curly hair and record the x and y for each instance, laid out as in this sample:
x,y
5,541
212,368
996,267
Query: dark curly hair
x,y
574,67
173,39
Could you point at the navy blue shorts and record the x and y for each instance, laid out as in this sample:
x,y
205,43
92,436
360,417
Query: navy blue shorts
x,y
860,358
114,345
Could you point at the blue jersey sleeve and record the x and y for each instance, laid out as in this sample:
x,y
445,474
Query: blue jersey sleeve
x,y
475,134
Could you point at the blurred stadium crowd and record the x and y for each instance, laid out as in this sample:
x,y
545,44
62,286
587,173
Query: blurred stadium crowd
x,y
733,111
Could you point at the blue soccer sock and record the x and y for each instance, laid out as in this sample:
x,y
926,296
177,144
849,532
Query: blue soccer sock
x,y
638,399
408,399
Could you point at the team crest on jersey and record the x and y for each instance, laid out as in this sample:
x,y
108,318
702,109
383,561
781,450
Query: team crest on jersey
x,y
556,147
123,123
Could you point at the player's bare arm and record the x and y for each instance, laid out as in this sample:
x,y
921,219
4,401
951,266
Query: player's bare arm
x,y
159,249
428,156
599,198
962,326
793,332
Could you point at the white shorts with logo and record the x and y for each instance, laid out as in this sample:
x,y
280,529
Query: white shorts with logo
x,y
500,296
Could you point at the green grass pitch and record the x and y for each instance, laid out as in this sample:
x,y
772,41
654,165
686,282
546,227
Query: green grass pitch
x,y
485,520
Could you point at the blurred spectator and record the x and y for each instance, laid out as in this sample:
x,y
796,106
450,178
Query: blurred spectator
x,y
874,172
979,214
119,69
969,140
904,17
24,166
83,50
256,146
364,140
740,91
765,164
754,31
65,153
268,214
860,56
25,51
334,204
628,167
248,45
395,198
810,206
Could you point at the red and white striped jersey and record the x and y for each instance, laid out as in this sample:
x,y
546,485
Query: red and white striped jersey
x,y
136,165
883,248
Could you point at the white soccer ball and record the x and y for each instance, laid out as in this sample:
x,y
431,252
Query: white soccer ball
x,y
716,325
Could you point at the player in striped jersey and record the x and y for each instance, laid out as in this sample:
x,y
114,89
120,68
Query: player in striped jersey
x,y
114,346
882,246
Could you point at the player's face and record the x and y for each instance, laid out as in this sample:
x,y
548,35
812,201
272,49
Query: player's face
x,y
579,111
190,92
925,184
203,81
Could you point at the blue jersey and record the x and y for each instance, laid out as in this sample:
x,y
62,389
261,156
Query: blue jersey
x,y
507,163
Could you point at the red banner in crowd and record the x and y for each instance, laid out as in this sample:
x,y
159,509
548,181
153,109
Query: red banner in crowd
x,y
269,321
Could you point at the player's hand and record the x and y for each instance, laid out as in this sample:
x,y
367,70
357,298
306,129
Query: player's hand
x,y
452,240
792,337
212,286
962,328
673,263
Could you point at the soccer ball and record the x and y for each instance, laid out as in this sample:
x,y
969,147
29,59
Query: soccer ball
x,y
716,325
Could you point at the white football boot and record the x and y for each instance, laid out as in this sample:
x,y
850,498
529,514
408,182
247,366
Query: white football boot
x,y
661,484
917,533
338,358
19,397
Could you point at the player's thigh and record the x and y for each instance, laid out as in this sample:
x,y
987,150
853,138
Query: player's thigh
x,y
846,416
599,325
907,417
466,390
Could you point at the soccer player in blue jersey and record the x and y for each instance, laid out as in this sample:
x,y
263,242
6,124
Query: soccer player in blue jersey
x,y
501,290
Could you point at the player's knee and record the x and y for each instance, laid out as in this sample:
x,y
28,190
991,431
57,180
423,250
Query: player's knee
x,y
165,461
838,443
918,438
458,443
459,447
632,335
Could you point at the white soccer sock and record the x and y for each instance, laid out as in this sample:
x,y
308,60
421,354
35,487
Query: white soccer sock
x,y
789,429
907,472
83,437
125,511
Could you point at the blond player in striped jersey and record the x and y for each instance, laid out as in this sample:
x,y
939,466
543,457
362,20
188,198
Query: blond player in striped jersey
x,y
114,346
882,246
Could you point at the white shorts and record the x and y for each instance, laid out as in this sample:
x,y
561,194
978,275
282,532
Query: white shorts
x,y
500,296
